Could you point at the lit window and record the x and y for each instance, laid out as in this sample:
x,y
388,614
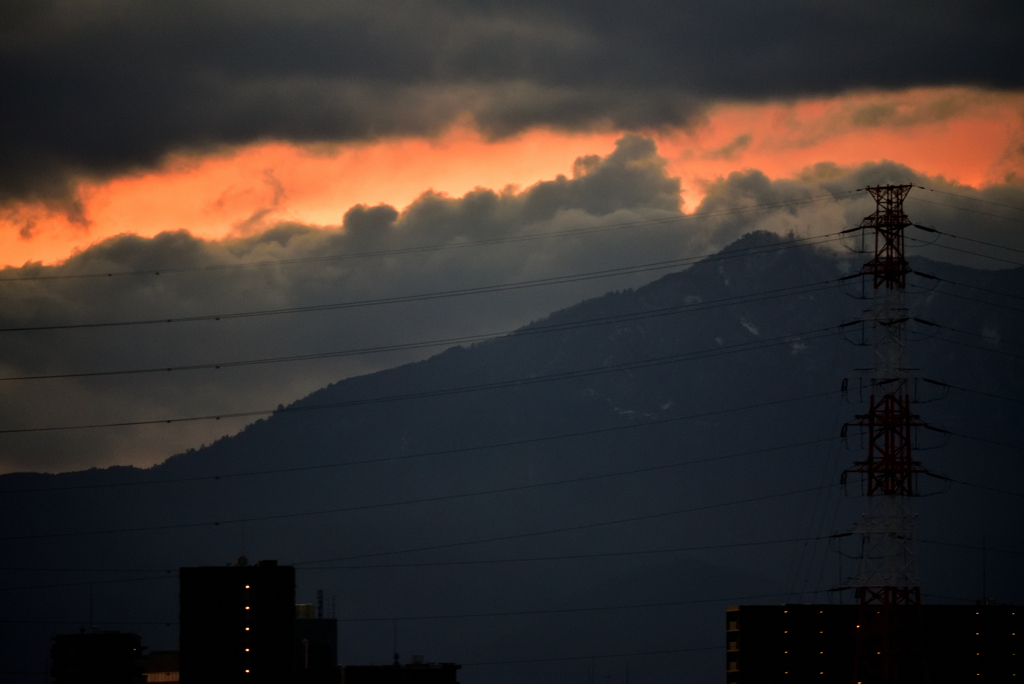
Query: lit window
x,y
247,607
246,629
246,586
246,672
246,650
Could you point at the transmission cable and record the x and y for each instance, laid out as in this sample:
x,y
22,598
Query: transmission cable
x,y
443,294
173,574
440,247
960,250
422,454
973,199
449,616
573,528
967,239
808,288
970,546
971,287
974,391
973,211
981,486
559,659
971,299
392,504
580,373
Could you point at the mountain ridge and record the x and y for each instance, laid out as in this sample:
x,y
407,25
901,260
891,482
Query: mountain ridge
x,y
480,477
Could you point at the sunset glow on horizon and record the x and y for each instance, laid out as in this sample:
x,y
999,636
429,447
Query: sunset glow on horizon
x,y
963,135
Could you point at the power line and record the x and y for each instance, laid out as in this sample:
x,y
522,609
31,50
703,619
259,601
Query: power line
x,y
440,247
981,439
940,326
450,616
974,391
946,597
403,457
973,199
975,299
428,454
970,546
981,347
426,344
971,287
80,622
442,294
981,486
960,250
576,556
573,528
631,654
118,580
967,239
373,506
547,611
588,372
172,574
973,211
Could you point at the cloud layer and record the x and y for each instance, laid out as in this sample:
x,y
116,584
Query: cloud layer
x,y
616,211
103,87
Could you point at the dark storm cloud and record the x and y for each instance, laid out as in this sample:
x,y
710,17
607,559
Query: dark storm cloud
x,y
97,88
627,186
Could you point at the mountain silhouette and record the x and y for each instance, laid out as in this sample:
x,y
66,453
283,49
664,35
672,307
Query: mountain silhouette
x,y
631,464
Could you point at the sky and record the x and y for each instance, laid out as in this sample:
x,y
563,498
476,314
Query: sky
x,y
376,150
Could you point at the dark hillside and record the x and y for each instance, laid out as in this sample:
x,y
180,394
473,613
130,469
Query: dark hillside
x,y
701,410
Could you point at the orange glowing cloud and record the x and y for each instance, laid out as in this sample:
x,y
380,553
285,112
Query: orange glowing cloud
x,y
969,136
966,136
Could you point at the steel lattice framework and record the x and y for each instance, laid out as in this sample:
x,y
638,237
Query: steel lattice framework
x,y
886,584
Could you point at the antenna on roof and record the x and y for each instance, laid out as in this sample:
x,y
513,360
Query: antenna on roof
x,y
394,638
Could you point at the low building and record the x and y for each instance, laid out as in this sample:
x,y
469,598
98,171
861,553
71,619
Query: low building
x,y
819,643
97,658
162,666
417,671
316,646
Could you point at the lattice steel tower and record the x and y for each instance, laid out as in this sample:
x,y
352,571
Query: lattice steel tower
x,y
886,584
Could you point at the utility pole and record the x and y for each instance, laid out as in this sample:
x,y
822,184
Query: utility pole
x,y
887,588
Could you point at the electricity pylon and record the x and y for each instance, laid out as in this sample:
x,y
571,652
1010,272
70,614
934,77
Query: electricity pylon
x,y
886,584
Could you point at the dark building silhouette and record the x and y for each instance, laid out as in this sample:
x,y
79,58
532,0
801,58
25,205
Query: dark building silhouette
x,y
97,658
805,643
415,672
237,623
316,646
163,666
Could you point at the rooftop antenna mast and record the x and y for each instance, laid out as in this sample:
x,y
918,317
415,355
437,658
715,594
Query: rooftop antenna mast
x,y
886,584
